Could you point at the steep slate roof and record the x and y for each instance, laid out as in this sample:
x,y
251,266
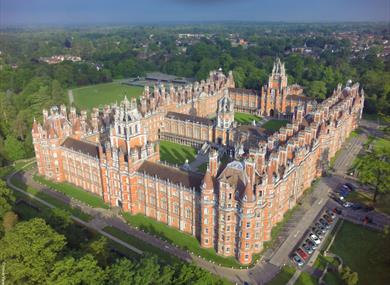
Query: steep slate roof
x,y
190,118
174,175
244,91
81,146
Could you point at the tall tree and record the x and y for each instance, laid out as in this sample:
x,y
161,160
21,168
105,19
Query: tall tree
x,y
29,251
373,168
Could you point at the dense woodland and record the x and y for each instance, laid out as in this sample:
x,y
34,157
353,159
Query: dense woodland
x,y
49,248
28,85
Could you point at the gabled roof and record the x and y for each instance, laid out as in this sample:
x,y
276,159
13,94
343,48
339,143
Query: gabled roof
x,y
81,146
190,118
174,175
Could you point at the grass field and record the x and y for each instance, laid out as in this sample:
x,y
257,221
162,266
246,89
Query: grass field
x,y
283,277
365,251
74,192
97,95
245,118
140,244
183,240
176,153
274,125
74,211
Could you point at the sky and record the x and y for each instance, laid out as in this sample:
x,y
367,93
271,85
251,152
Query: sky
x,y
59,12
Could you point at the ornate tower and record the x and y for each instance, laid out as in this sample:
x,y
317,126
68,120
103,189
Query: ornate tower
x,y
276,91
225,118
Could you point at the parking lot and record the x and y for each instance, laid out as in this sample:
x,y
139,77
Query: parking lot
x,y
309,246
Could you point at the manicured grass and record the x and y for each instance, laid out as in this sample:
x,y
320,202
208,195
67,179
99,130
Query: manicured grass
x,y
106,93
364,251
274,125
59,204
283,277
306,279
176,153
74,192
381,144
246,118
183,240
141,245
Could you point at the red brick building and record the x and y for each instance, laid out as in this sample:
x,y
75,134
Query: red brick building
x,y
114,153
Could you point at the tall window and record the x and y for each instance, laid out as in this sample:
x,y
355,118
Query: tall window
x,y
188,213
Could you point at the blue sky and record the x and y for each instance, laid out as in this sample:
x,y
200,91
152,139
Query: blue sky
x,y
154,11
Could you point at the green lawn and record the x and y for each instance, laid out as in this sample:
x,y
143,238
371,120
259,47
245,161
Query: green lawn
x,y
306,279
365,251
140,244
274,125
74,192
183,240
245,118
59,204
283,277
380,143
100,94
176,153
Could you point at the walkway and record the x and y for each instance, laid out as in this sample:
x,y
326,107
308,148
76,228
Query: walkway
x,y
70,96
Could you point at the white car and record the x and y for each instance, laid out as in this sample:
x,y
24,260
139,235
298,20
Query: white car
x,y
347,205
314,238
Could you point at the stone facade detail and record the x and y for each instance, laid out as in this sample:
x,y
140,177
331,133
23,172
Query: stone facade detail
x,y
114,153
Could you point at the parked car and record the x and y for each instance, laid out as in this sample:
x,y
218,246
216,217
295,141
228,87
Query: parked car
x,y
347,204
311,243
302,253
356,206
317,231
297,260
307,248
314,238
337,211
350,186
331,214
324,223
328,219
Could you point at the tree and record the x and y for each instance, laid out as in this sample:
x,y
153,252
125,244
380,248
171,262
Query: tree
x,y
316,90
82,271
29,251
350,277
99,249
121,273
6,199
14,148
373,168
9,220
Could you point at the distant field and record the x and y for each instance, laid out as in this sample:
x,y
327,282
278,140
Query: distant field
x,y
97,95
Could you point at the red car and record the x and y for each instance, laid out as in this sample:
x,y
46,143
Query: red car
x,y
302,253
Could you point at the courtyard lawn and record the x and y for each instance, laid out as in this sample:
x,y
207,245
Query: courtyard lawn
x,y
365,251
74,192
274,125
283,276
106,93
246,118
176,153
183,240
